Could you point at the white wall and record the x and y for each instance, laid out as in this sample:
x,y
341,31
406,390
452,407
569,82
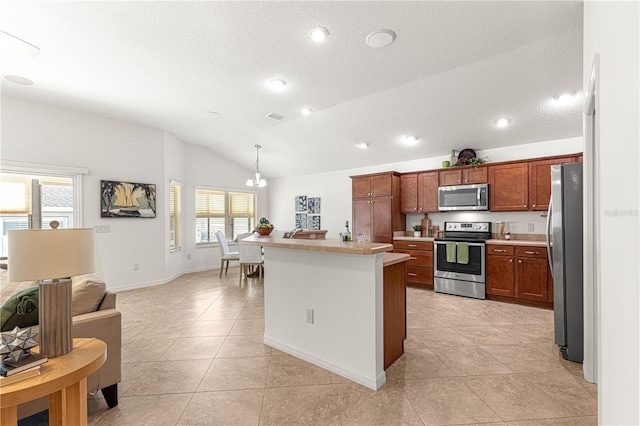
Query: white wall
x,y
611,29
116,150
334,188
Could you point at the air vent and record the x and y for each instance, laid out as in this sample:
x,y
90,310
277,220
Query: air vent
x,y
276,116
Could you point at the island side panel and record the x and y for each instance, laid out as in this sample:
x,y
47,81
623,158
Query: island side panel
x,y
346,294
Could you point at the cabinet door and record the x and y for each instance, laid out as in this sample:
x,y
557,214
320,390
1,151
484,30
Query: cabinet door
x,y
540,181
381,223
409,193
428,192
531,279
381,185
475,175
361,187
509,187
451,177
362,217
500,275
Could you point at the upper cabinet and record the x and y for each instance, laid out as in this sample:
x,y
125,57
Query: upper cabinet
x,y
540,181
419,192
378,185
509,187
463,176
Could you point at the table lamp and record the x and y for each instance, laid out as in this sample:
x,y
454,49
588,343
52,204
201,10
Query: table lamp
x,y
51,257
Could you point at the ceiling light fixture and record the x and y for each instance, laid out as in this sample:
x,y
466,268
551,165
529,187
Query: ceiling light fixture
x,y
306,111
410,140
257,179
277,84
380,38
503,122
318,34
565,98
19,80
363,145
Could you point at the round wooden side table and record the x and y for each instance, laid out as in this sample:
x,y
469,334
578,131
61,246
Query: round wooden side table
x,y
64,379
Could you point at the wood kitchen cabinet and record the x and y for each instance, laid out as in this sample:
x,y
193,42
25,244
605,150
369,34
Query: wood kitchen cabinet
x,y
419,192
420,265
518,274
409,193
540,181
509,187
376,206
463,176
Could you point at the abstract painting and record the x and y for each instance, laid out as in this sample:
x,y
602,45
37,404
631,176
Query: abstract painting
x,y
127,199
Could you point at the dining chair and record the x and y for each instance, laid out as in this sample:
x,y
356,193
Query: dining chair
x,y
225,254
250,255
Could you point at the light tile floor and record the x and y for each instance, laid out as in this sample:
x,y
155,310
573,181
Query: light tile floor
x,y
193,355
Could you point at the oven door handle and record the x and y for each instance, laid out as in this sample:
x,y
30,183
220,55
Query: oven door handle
x,y
464,242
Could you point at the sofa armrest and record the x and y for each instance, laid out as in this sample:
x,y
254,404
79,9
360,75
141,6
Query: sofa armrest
x,y
108,301
105,325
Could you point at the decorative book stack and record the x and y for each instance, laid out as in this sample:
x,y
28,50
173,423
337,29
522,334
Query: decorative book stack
x,y
25,367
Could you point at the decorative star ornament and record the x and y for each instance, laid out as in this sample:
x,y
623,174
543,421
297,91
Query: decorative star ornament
x,y
17,343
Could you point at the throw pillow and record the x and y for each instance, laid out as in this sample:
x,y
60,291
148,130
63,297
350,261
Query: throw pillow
x,y
87,293
20,309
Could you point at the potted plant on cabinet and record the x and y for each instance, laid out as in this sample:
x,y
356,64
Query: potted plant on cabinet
x,y
417,230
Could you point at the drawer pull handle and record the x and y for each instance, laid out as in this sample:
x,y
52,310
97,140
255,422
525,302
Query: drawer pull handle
x,y
499,251
519,261
412,245
412,274
532,252
413,258
510,260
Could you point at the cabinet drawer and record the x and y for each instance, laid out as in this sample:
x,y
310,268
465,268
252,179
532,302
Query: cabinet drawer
x,y
537,252
413,245
418,258
419,275
499,250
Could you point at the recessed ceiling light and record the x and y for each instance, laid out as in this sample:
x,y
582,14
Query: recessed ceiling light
x,y
213,114
19,80
306,111
565,98
277,84
410,140
318,34
363,145
503,122
380,38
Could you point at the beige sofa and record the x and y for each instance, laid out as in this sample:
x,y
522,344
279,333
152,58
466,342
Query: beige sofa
x,y
95,315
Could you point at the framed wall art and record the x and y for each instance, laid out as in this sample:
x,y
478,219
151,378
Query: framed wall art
x,y
313,222
127,199
301,203
313,205
301,220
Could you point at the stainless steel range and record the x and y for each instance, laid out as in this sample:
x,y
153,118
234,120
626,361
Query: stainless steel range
x,y
459,259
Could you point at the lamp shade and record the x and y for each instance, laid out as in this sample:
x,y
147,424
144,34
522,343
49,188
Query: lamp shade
x,y
40,254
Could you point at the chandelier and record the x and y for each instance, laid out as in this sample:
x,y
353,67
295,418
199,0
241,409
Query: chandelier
x,y
256,179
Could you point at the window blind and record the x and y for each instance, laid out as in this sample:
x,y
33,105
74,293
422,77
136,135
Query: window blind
x,y
15,195
175,215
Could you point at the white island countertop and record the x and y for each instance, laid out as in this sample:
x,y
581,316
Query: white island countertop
x,y
327,246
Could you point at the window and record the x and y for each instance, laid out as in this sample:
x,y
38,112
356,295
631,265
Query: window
x,y
175,215
32,201
230,212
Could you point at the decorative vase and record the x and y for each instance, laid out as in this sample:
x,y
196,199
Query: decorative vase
x,y
264,231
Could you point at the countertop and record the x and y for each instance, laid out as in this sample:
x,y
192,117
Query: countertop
x,y
393,258
531,243
327,246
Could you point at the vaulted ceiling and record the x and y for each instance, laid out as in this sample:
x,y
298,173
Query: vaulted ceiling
x,y
453,70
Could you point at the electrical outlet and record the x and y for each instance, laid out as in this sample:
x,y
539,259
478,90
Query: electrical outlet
x,y
310,315
102,229
136,266
530,227
189,256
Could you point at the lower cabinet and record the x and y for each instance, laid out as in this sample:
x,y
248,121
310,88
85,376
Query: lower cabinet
x,y
420,266
520,273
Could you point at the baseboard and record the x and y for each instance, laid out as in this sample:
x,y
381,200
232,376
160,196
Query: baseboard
x,y
371,382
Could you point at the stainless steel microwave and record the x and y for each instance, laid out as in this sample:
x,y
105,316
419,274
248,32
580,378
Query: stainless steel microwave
x,y
463,197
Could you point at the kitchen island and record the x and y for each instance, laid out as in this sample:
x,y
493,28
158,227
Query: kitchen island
x,y
325,303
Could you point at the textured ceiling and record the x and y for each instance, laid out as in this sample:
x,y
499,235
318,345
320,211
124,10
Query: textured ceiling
x,y
454,69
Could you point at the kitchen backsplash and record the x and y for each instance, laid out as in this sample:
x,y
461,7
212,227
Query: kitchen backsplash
x,y
517,222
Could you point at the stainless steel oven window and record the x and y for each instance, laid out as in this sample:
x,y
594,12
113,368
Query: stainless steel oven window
x,y
473,271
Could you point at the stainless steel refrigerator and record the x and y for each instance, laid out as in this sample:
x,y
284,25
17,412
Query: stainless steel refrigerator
x,y
564,248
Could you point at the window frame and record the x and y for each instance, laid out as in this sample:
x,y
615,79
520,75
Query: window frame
x,y
228,218
175,210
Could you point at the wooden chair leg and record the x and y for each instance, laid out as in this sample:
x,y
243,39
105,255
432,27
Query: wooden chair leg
x,y
221,267
227,268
